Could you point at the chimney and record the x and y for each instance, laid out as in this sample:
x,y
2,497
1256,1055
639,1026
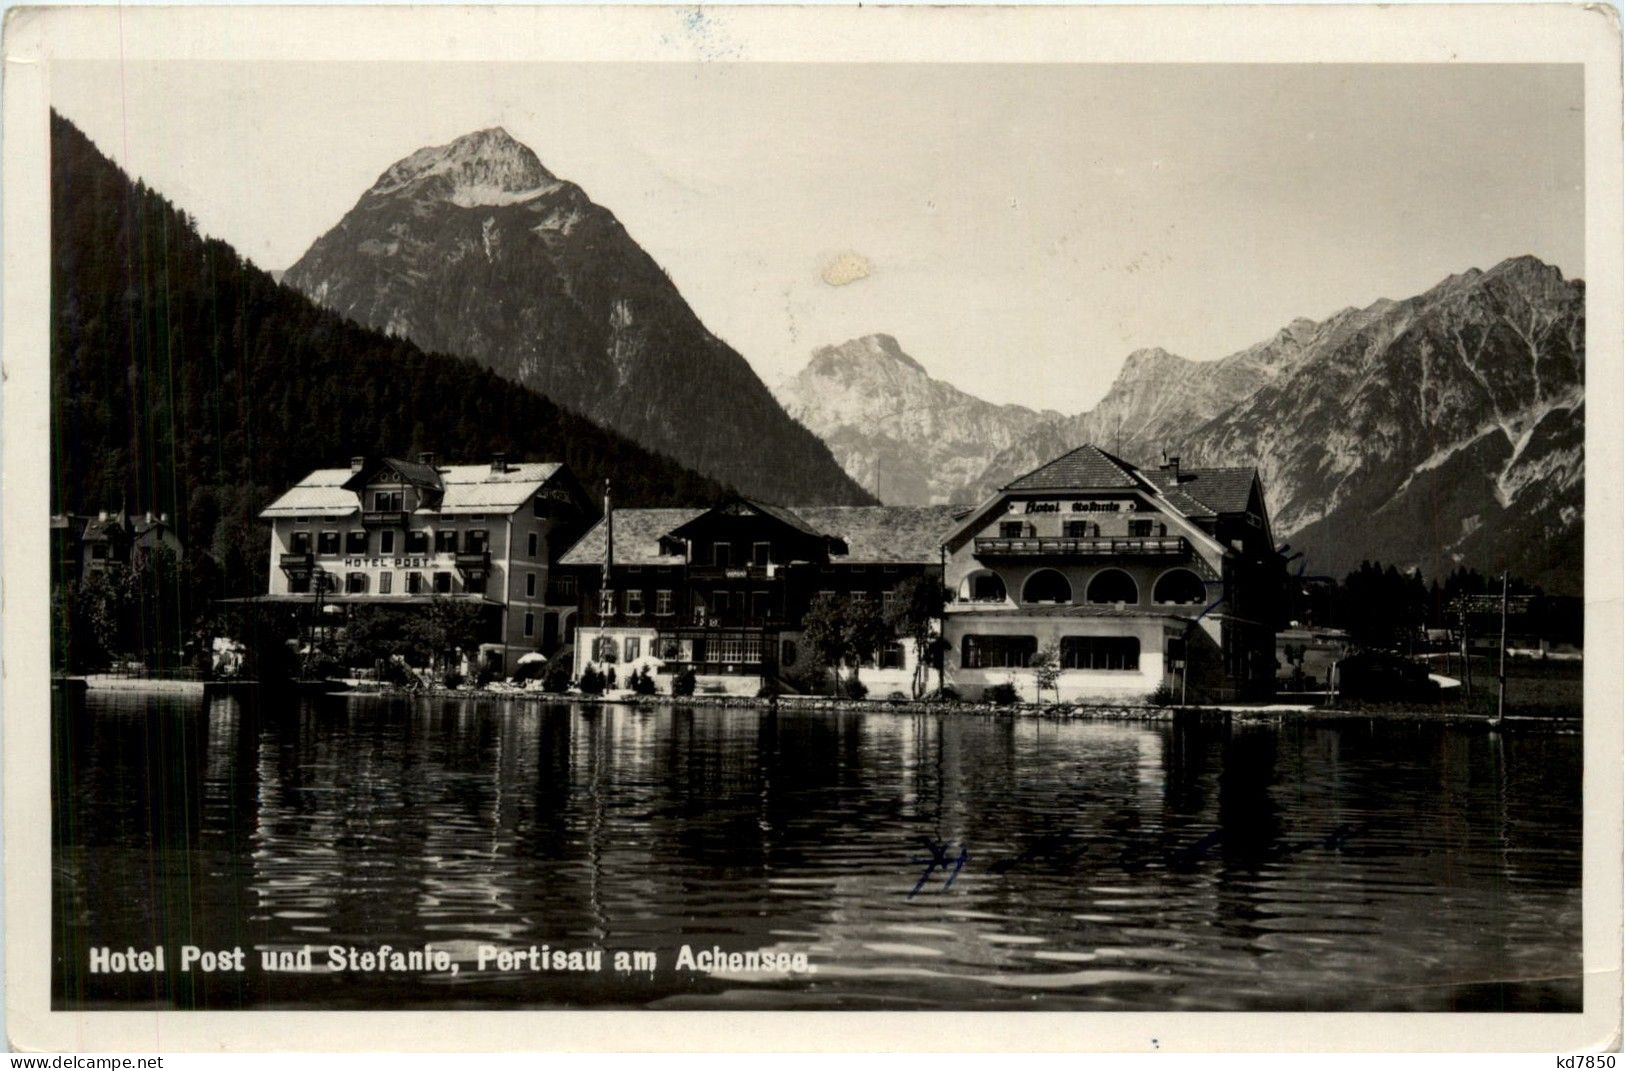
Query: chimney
x,y
426,458
499,462
1170,463
357,464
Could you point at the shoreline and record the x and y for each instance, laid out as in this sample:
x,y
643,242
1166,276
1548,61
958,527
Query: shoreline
x,y
1245,714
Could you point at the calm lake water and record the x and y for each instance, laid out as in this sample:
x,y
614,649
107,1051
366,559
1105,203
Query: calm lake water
x,y
1095,866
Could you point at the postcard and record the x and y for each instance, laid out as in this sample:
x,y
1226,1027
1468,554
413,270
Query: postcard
x,y
555,527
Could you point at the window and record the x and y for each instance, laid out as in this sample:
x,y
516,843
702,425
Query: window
x,y
327,543
1113,586
998,652
300,584
761,605
634,649
388,501
417,541
355,583
634,601
761,553
355,542
606,603
1100,652
530,545
478,541
414,583
889,655
386,541
666,648
603,649
442,583
530,585
386,583
1011,529
752,649
445,541
299,543
987,587
475,582
1079,529
1146,528
1179,587
888,603
530,624
475,517
1046,585
787,653
720,554
663,602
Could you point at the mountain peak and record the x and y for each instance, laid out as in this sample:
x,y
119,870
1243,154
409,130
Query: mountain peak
x,y
867,349
485,167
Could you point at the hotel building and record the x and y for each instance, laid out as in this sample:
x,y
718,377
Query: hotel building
x,y
723,591
1135,578
396,533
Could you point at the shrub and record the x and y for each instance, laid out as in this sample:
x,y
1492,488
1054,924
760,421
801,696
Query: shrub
x,y
486,673
946,694
809,677
684,682
394,671
856,689
451,678
1000,695
320,665
609,679
642,682
770,689
591,682
898,697
1163,696
529,671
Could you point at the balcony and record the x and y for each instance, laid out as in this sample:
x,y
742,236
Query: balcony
x,y
297,563
384,518
473,561
733,572
1094,547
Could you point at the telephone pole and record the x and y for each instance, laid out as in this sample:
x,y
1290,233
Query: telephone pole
x,y
1501,696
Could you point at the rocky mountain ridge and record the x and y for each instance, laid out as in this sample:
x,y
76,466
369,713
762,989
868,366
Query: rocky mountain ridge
x,y
475,248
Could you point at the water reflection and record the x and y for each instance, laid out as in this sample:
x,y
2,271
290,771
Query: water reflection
x,y
1106,866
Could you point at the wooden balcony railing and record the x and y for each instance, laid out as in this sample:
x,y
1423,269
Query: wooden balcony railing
x,y
1094,547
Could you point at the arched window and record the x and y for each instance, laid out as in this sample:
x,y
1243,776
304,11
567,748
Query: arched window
x,y
1113,585
985,587
1046,585
1179,587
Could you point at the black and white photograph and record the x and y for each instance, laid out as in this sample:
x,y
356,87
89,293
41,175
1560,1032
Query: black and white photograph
x,y
866,533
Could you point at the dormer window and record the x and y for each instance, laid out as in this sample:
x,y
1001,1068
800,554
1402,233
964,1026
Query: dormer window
x,y
388,501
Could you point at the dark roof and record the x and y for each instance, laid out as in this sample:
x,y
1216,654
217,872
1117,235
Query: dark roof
x,y
1087,466
413,472
778,513
1215,490
637,537
883,534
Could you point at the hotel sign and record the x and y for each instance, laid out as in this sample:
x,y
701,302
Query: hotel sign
x,y
417,561
1082,505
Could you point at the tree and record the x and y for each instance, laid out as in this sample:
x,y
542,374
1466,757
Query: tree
x,y
915,610
1047,671
446,627
823,631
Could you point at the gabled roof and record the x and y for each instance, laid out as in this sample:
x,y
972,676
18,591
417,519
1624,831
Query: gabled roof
x,y
637,537
871,534
416,473
1207,492
1086,467
778,513
467,489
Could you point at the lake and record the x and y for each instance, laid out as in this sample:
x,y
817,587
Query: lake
x,y
960,862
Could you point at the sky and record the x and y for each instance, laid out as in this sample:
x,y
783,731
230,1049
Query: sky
x,y
1020,228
